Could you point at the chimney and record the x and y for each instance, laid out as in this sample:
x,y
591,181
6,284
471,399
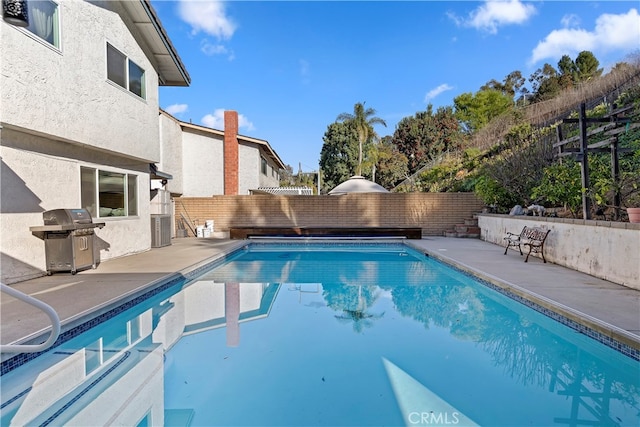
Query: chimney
x,y
232,313
230,153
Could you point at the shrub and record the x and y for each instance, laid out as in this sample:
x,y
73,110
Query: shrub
x,y
492,193
561,184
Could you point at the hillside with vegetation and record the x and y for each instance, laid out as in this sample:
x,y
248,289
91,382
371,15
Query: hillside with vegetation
x,y
502,141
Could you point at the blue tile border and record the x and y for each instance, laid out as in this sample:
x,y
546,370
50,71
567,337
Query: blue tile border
x,y
607,340
22,358
623,348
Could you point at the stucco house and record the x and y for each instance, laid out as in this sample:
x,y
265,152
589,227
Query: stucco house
x,y
79,123
81,127
206,162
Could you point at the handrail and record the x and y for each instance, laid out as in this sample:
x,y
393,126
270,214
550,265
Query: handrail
x,y
48,310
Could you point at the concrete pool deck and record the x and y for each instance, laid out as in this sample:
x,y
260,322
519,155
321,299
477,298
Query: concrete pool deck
x,y
606,307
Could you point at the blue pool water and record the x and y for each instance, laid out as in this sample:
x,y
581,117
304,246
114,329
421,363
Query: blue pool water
x,y
327,335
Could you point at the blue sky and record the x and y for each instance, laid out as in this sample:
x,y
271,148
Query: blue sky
x,y
291,67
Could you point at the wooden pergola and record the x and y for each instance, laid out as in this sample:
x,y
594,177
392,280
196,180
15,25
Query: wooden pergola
x,y
613,124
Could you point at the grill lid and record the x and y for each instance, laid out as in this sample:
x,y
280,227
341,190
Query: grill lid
x,y
66,217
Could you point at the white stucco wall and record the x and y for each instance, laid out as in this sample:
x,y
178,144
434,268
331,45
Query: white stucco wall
x,y
202,160
251,176
59,112
248,168
40,174
171,153
604,249
65,93
271,179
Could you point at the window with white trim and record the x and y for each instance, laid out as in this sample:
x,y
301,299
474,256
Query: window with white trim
x,y
44,21
124,72
107,193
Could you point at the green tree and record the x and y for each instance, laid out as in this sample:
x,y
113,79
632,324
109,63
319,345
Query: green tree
x,y
561,185
339,154
476,110
512,84
410,136
566,71
449,135
494,194
545,83
363,120
586,67
392,164
426,135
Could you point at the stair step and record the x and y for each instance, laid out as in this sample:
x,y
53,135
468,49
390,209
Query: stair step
x,y
468,232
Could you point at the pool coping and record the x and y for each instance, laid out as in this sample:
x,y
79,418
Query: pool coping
x,y
82,321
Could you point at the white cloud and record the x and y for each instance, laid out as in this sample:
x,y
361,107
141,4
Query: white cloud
x,y
244,123
216,121
211,49
207,16
176,109
611,32
493,14
570,21
619,31
437,91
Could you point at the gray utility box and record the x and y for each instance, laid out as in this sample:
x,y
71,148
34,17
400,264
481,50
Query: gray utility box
x,y
160,230
68,236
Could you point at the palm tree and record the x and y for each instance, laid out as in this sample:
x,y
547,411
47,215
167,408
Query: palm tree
x,y
363,122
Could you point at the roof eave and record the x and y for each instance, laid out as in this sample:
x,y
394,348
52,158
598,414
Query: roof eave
x,y
171,70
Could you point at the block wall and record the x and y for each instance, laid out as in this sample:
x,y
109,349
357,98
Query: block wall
x,y
433,212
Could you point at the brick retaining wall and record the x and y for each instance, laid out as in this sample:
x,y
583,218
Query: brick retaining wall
x,y
433,212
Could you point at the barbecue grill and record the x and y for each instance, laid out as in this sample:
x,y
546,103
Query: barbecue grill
x,y
68,236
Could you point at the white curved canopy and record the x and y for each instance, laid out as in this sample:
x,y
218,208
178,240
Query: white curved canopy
x,y
357,184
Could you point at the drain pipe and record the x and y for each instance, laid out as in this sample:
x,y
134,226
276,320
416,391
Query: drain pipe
x,y
48,310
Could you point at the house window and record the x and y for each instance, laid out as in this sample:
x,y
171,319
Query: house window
x,y
44,21
263,165
136,79
124,72
108,194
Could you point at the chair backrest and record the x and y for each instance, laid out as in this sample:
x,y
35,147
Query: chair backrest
x,y
535,233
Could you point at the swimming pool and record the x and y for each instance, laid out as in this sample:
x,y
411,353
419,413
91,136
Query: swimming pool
x,y
290,334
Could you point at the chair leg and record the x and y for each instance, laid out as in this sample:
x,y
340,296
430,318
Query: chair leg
x,y
506,249
527,258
